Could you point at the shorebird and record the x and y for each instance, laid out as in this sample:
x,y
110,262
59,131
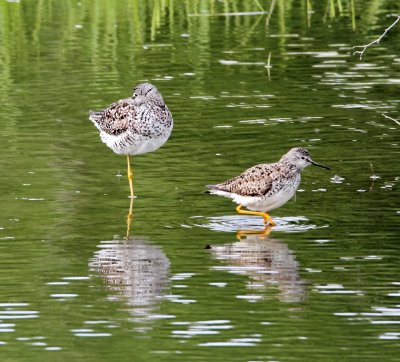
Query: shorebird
x,y
265,187
135,125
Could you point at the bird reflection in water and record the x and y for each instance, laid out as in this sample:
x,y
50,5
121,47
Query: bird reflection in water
x,y
136,272
268,262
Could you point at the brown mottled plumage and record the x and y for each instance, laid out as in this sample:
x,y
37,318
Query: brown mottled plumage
x,y
135,125
265,187
259,180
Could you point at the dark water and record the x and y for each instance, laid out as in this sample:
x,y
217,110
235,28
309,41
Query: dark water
x,y
192,283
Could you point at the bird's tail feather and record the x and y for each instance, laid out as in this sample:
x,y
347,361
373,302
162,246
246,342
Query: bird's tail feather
x,y
211,188
215,189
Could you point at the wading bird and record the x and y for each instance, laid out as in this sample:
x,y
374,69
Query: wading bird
x,y
265,187
135,125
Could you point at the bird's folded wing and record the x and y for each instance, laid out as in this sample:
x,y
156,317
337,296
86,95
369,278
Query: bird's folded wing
x,y
256,181
115,119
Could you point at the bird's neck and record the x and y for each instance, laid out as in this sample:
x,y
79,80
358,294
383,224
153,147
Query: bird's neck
x,y
290,168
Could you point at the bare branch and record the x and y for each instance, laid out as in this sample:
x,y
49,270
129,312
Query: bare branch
x,y
376,41
259,5
392,119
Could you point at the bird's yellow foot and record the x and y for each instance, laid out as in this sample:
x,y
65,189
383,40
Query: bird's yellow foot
x,y
268,220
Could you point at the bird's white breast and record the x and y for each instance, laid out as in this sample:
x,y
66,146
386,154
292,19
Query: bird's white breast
x,y
130,144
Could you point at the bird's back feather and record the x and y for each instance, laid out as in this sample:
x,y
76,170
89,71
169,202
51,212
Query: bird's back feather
x,y
259,180
116,118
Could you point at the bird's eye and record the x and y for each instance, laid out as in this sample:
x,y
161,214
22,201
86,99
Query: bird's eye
x,y
303,158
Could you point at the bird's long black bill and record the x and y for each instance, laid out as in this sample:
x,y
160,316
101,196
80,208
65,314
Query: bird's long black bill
x,y
317,164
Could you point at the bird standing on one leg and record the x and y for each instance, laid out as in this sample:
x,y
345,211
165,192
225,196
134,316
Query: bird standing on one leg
x,y
265,187
135,125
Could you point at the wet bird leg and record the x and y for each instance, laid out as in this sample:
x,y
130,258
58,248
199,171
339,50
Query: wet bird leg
x,y
130,215
130,176
267,219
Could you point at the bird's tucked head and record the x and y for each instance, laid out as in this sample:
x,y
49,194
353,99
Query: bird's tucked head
x,y
300,158
147,91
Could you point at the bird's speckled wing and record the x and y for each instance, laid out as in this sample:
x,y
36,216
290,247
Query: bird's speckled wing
x,y
256,181
116,118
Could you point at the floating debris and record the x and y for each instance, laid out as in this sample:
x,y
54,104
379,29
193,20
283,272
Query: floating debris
x,y
337,179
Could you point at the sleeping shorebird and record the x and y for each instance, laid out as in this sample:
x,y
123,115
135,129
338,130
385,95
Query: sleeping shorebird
x,y
265,187
135,125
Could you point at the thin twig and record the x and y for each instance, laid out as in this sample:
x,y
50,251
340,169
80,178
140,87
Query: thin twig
x,y
268,66
309,12
372,177
259,5
392,119
376,41
270,11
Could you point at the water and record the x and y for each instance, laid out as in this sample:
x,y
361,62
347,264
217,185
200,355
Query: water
x,y
195,281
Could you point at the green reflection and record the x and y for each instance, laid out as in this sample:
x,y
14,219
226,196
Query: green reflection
x,y
63,192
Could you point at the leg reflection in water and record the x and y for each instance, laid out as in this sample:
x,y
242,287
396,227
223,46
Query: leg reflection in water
x,y
242,234
129,218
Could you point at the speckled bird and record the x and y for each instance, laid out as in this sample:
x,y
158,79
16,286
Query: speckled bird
x,y
135,125
265,187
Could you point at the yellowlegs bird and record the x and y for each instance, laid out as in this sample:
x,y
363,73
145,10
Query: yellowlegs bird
x,y
135,125
265,187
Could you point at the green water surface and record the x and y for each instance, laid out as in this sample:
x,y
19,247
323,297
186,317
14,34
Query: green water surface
x,y
190,284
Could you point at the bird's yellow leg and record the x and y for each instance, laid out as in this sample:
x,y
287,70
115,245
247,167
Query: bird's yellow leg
x,y
130,176
267,219
130,212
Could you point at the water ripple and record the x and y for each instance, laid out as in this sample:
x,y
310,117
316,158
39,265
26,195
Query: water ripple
x,y
233,223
